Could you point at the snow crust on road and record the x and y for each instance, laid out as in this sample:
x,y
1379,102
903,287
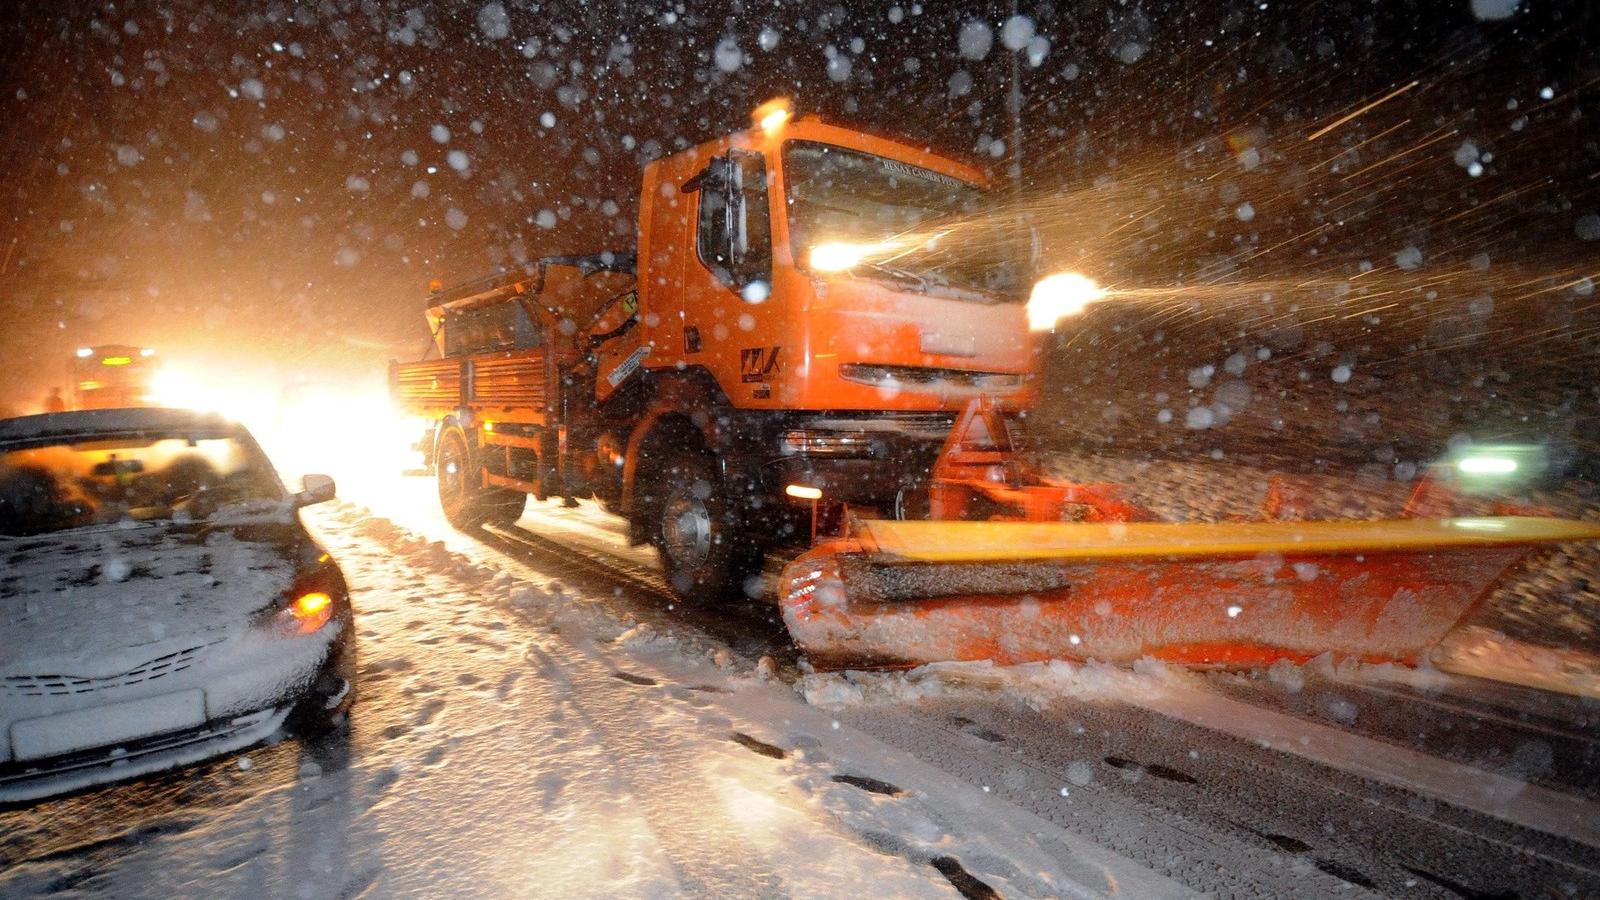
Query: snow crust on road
x,y
1184,696
511,737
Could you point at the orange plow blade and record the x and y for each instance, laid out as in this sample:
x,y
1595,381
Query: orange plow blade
x,y
1233,594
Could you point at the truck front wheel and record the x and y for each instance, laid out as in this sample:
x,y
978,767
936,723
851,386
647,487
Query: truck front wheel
x,y
465,501
703,551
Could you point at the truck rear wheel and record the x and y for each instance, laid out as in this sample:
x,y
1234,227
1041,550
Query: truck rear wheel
x,y
465,501
699,535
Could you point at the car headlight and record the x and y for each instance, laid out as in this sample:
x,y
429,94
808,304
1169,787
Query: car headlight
x,y
306,613
308,605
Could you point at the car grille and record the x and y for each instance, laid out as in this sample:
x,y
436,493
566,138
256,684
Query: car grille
x,y
66,685
218,732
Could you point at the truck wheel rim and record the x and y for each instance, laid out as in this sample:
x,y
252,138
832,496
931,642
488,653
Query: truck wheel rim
x,y
686,529
451,480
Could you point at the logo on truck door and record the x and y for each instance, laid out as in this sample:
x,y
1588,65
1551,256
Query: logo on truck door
x,y
757,363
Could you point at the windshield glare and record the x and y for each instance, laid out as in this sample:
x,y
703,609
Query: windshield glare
x,y
902,222
97,482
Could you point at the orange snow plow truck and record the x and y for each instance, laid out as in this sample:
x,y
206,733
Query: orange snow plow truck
x,y
768,370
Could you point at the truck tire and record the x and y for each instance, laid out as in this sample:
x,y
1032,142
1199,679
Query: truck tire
x,y
912,504
704,552
465,501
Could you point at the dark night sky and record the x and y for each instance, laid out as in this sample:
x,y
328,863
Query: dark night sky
x,y
277,182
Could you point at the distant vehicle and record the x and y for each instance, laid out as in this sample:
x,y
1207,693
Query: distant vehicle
x,y
160,603
112,376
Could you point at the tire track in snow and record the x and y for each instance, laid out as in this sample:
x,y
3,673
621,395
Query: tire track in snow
x,y
1240,795
1517,739
702,843
1511,800
988,856
1152,836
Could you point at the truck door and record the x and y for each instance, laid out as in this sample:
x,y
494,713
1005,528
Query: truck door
x,y
729,274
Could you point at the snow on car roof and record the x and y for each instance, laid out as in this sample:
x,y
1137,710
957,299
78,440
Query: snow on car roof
x,y
31,429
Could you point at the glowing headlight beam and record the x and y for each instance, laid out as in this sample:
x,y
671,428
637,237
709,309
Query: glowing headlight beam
x,y
838,256
1058,296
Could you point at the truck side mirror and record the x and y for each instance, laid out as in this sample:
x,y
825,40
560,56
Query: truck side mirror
x,y
734,230
738,219
749,222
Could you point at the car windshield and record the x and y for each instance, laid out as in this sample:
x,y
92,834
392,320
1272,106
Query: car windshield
x,y
896,220
101,480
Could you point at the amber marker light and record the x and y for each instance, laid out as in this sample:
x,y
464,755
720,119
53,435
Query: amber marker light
x,y
311,611
772,115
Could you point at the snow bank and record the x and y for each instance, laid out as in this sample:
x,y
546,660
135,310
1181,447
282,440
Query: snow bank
x,y
1037,684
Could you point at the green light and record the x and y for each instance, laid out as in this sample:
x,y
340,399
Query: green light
x,y
1487,465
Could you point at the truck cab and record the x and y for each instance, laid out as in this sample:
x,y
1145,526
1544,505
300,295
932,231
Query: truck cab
x,y
841,294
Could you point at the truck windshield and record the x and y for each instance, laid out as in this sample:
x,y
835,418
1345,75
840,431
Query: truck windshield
x,y
881,218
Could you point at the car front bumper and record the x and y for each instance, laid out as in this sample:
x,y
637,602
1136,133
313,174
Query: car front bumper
x,y
250,688
37,779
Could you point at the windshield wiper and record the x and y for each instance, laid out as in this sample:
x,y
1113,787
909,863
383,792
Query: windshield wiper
x,y
897,273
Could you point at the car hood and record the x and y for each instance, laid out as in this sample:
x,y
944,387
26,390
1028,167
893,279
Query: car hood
x,y
94,603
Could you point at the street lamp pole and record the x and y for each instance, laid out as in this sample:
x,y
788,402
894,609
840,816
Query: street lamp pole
x,y
1015,104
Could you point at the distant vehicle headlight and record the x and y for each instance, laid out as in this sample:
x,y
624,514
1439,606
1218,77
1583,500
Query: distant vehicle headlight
x,y
1487,465
1497,468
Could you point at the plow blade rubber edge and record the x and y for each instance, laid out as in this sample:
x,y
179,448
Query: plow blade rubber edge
x,y
1232,594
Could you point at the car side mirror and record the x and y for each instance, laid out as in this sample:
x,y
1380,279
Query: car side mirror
x,y
314,489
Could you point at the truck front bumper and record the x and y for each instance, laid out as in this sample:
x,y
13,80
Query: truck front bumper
x,y
862,462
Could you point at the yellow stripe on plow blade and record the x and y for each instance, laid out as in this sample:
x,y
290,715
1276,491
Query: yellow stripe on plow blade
x,y
955,541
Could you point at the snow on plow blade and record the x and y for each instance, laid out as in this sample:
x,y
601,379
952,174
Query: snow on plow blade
x,y
1233,594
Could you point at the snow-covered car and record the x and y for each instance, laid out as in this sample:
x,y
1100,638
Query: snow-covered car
x,y
160,600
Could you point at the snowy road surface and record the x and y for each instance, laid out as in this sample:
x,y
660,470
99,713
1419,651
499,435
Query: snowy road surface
x,y
534,721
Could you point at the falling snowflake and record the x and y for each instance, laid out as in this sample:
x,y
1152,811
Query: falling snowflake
x,y
975,40
494,22
728,57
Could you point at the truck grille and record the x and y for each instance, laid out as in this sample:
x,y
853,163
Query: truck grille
x,y
882,375
65,685
924,426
